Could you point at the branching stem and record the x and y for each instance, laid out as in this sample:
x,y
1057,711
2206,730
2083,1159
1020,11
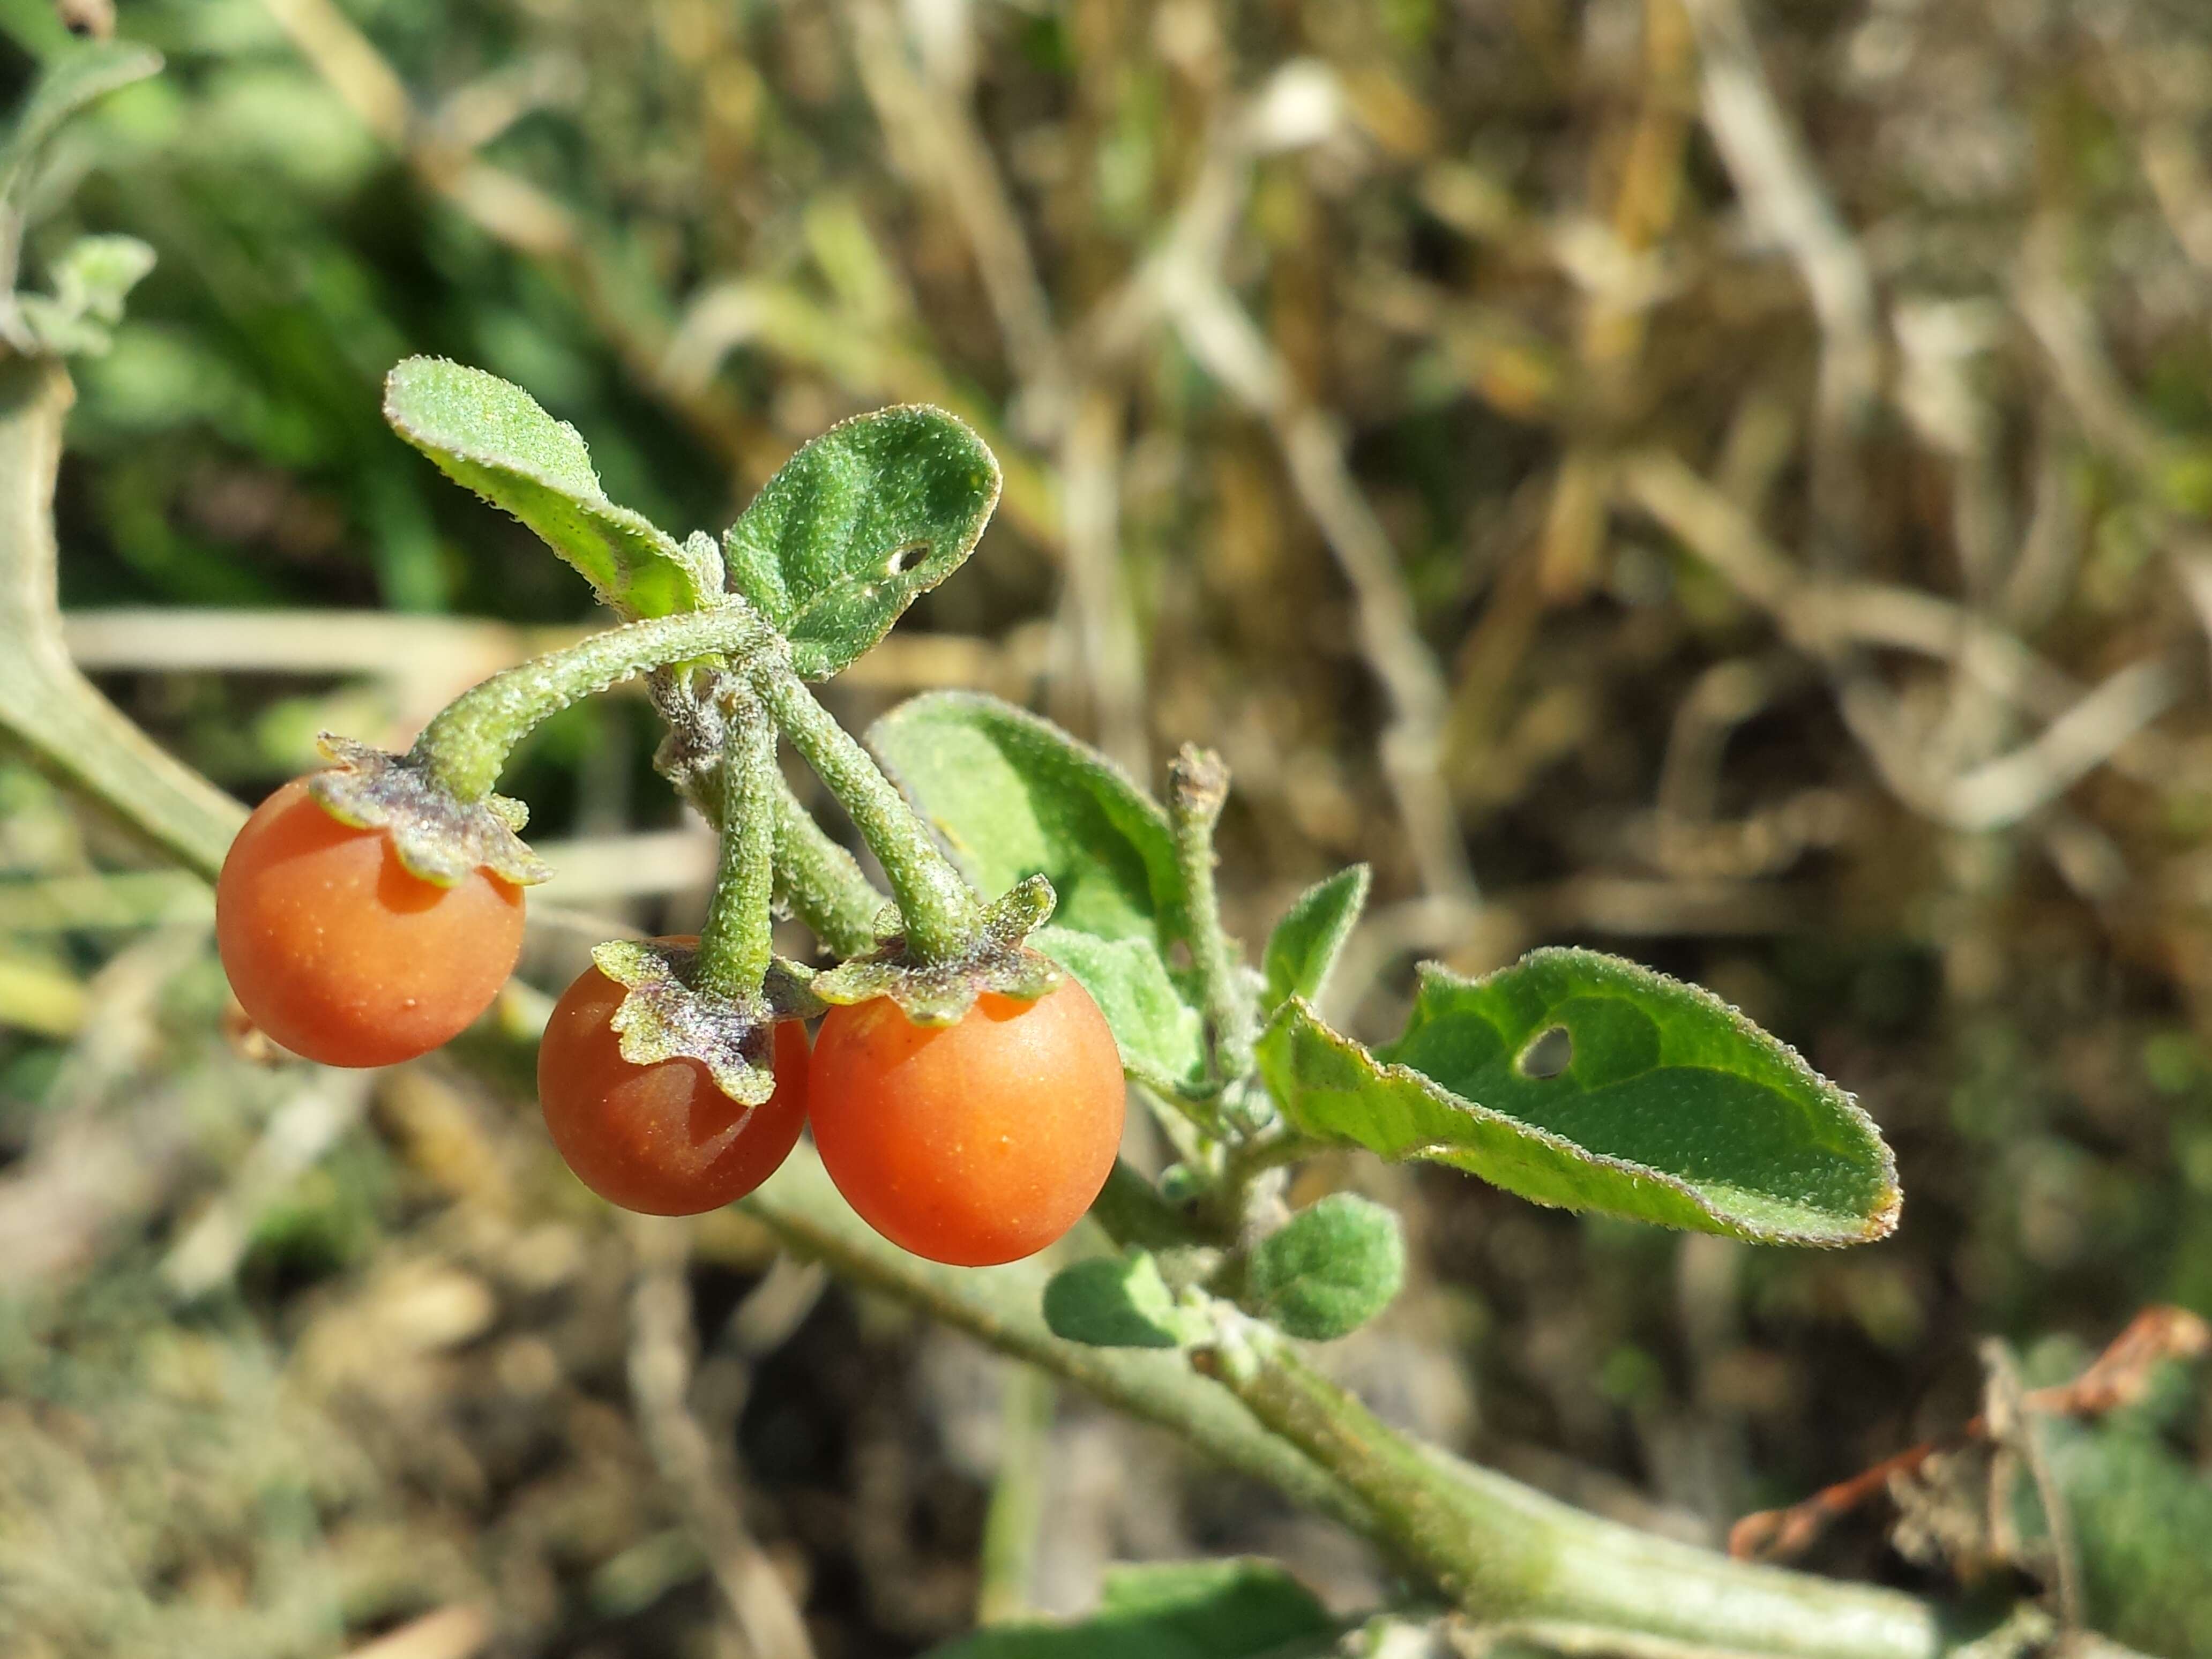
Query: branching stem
x,y
940,913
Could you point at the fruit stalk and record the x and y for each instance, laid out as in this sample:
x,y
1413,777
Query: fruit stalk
x,y
466,746
940,913
734,939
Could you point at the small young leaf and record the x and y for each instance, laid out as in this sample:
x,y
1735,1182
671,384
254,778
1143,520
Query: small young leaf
x,y
1582,1081
91,280
494,438
1304,946
1012,796
1117,1302
1233,1609
1162,1037
876,511
1328,1271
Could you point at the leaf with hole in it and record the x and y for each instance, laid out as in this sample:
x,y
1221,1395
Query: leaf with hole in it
x,y
862,521
494,438
1304,944
1118,1302
1012,796
1581,1080
1232,1609
1328,1270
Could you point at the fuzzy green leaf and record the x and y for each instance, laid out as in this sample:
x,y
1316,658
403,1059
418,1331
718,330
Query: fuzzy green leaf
x,y
75,76
1162,1037
1012,796
1117,1302
1233,1609
1581,1080
1328,1270
875,512
494,438
1304,944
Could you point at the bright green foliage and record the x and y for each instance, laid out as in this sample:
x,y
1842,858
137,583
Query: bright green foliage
x,y
1330,1269
2142,1528
1185,1610
1304,946
90,282
1582,1081
494,438
875,512
74,78
1012,796
1118,1302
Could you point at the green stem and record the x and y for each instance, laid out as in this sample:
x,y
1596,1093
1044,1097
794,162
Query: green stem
x,y
1198,788
1500,1550
1012,1524
734,939
466,746
939,912
822,882
1136,1217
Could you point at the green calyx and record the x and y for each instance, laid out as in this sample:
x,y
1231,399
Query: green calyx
x,y
438,838
941,992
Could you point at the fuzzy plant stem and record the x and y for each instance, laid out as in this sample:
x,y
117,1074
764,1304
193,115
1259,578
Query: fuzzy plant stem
x,y
1198,788
466,746
941,915
734,939
1502,1551
822,882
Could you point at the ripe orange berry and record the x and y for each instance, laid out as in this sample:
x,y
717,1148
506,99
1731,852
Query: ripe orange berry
x,y
661,1139
340,955
970,1144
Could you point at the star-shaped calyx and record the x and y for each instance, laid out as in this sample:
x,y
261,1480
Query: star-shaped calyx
x,y
438,838
940,992
663,1018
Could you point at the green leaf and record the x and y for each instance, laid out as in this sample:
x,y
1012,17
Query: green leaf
x,y
1162,1037
875,512
494,438
1582,1081
1012,796
73,78
1118,1302
1233,1609
1304,946
91,280
1328,1271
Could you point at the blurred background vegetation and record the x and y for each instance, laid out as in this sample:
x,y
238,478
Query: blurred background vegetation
x,y
1730,483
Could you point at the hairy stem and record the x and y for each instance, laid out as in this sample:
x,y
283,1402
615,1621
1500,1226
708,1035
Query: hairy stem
x,y
1198,788
939,912
822,882
1500,1550
733,940
466,746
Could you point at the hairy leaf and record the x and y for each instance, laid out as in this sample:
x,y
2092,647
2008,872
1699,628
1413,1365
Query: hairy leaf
x,y
1118,1302
493,437
1304,946
1012,796
1328,1271
1162,1037
1582,1081
74,77
1233,1609
875,512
